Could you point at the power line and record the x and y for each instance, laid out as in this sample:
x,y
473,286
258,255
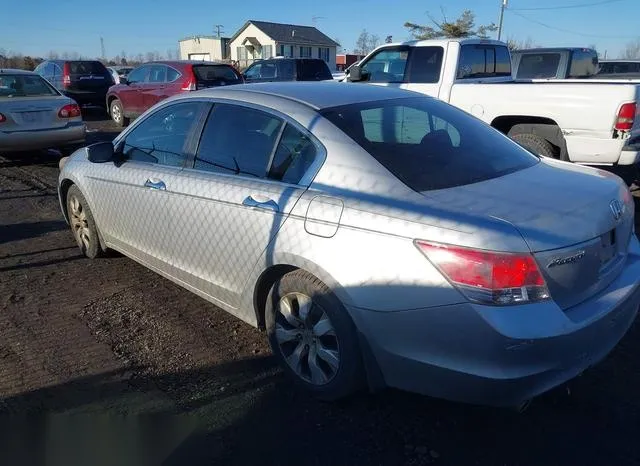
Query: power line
x,y
567,7
596,36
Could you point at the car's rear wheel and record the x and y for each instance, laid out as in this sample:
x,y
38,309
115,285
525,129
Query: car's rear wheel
x,y
117,113
535,144
313,336
83,226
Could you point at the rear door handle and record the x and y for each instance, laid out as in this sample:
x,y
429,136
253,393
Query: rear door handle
x,y
267,204
155,184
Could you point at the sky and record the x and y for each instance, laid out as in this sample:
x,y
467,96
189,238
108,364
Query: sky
x,y
36,27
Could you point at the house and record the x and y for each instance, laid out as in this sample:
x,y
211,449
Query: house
x,y
260,39
209,48
344,61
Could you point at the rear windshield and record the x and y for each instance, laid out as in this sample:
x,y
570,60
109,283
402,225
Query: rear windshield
x,y
428,144
538,66
216,73
86,67
314,70
18,85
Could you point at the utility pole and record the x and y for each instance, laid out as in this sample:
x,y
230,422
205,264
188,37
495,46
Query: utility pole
x,y
504,5
102,48
219,28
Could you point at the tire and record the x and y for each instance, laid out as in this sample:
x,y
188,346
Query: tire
x,y
535,144
117,113
325,345
83,226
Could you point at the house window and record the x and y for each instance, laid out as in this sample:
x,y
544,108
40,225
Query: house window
x,y
305,52
267,51
281,50
323,53
242,53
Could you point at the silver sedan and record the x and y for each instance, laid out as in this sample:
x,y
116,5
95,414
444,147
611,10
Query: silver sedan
x,y
34,115
379,236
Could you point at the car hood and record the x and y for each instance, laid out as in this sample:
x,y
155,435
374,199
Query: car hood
x,y
552,204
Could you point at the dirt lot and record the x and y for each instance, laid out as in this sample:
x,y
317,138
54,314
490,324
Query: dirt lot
x,y
108,336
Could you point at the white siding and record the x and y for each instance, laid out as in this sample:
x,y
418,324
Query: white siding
x,y
252,52
201,46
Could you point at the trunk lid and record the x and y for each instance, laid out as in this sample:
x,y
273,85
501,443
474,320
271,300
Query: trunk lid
x,y
573,219
33,113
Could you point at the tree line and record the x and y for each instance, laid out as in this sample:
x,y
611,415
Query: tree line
x,y
9,59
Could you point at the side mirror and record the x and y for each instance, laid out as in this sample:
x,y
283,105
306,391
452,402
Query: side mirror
x,y
124,80
101,152
355,74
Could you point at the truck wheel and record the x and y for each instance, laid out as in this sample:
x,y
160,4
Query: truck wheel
x,y
117,113
313,336
535,144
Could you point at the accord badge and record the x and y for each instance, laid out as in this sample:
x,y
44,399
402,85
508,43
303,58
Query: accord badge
x,y
566,260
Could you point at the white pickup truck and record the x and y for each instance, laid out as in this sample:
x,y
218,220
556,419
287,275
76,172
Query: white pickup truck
x,y
582,121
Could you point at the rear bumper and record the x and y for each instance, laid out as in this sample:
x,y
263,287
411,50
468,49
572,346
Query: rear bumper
x,y
630,155
87,97
72,133
499,356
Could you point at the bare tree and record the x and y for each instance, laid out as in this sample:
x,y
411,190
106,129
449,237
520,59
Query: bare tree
x,y
366,43
515,44
170,54
149,56
632,49
53,55
139,58
464,26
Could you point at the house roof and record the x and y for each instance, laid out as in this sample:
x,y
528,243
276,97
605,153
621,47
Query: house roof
x,y
291,33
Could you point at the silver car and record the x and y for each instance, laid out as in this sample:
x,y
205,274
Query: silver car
x,y
381,237
34,115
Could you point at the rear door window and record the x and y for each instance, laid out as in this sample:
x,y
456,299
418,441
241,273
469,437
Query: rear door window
x,y
430,145
158,74
483,61
286,69
238,140
425,64
293,157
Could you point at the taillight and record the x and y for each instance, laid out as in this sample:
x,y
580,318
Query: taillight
x,y
66,75
69,111
488,277
2,118
626,116
189,84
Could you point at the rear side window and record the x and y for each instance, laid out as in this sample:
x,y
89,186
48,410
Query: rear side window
x,y
314,70
584,63
286,69
538,66
215,75
430,145
293,157
483,61
87,67
158,74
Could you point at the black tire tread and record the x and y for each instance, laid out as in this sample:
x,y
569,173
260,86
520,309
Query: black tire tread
x,y
536,143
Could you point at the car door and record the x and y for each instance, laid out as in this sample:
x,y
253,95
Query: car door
x,y
244,182
130,94
134,200
153,89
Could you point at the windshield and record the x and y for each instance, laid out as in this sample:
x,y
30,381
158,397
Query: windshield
x,y
24,85
428,144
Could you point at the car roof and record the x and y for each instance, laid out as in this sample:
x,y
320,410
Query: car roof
x,y
621,60
554,49
186,62
16,71
444,42
317,95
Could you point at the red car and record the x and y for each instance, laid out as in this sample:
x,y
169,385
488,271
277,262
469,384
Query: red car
x,y
149,83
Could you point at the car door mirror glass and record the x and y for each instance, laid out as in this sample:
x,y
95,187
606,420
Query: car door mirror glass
x,y
100,152
355,74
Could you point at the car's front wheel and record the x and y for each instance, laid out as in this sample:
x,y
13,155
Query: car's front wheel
x,y
117,113
83,226
313,336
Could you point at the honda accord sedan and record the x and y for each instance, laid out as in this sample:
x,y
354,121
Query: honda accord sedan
x,y
380,237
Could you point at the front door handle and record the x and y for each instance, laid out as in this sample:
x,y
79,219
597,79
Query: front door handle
x,y
153,184
268,204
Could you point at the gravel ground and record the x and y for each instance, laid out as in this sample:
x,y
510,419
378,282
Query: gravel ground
x,y
108,336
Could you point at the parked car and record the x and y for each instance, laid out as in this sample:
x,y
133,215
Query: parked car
x,y
585,121
34,115
555,63
119,72
379,236
288,69
85,81
619,69
150,83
